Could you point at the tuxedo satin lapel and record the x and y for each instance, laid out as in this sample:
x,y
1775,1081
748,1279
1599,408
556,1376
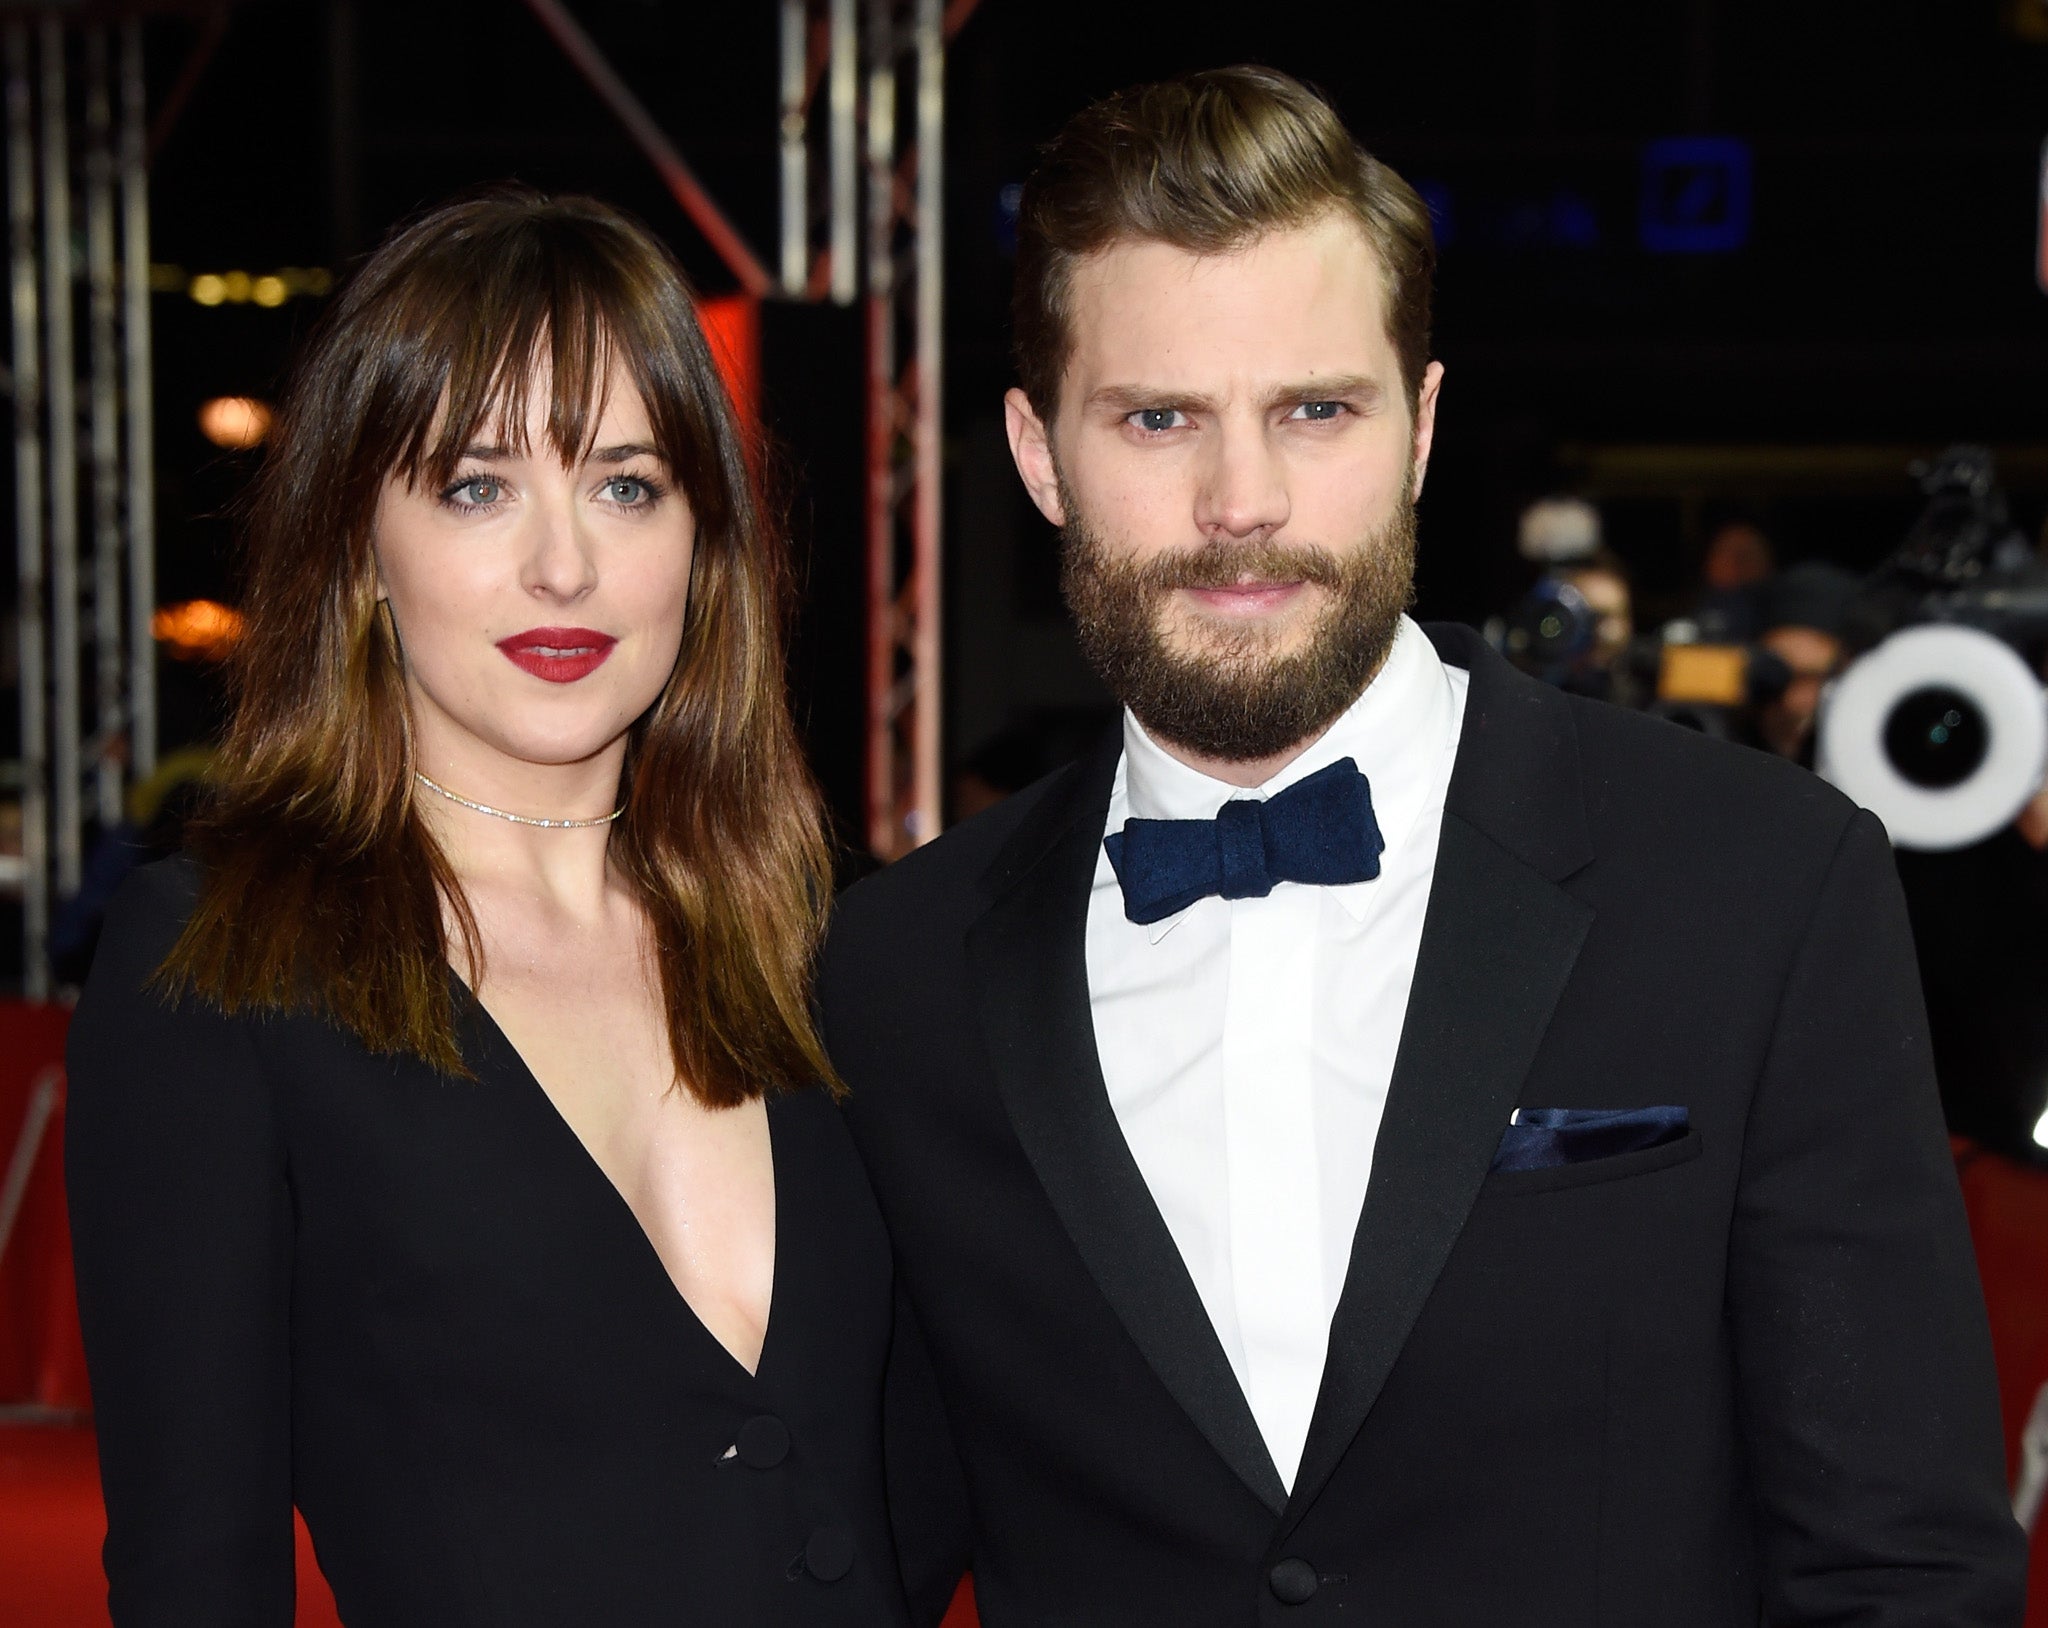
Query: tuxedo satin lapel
x,y
1027,954
1497,947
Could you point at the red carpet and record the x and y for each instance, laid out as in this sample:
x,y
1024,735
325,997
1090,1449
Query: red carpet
x,y
50,1528
51,1525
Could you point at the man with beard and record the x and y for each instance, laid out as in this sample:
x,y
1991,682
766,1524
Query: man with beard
x,y
1381,1140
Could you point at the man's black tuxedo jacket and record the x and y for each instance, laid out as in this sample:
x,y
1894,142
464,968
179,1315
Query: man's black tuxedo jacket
x,y
1746,1372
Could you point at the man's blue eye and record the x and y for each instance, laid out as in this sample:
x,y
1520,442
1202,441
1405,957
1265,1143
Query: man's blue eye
x,y
1156,419
1320,412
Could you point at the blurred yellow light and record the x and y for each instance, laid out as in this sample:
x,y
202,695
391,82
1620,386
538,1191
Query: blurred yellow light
x,y
234,421
270,288
197,628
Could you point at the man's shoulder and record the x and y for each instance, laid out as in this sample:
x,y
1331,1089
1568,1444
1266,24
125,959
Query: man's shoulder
x,y
1639,777
1649,774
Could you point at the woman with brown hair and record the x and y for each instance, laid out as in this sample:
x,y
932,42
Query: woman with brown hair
x,y
443,1128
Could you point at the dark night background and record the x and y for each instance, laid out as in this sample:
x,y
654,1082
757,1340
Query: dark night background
x,y
1884,302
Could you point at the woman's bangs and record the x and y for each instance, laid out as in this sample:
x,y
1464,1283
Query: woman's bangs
x,y
500,347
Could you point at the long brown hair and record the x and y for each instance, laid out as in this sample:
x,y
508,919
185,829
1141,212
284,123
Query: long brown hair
x,y
323,888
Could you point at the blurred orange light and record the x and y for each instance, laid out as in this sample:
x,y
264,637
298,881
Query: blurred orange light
x,y
234,421
197,629
268,291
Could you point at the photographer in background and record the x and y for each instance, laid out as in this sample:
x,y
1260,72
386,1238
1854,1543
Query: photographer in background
x,y
1738,562
1804,613
1574,625
1602,581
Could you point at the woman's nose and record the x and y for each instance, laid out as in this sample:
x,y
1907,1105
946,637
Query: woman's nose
x,y
560,562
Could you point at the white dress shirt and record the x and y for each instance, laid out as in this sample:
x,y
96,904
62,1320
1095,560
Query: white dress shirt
x,y
1247,1044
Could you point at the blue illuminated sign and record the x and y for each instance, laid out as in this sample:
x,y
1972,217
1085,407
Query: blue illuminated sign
x,y
1696,195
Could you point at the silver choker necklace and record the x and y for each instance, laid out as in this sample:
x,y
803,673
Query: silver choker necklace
x,y
519,819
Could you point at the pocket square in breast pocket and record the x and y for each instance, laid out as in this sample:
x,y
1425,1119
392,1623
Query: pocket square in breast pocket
x,y
1547,1138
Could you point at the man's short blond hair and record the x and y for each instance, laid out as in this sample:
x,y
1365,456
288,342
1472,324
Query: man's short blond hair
x,y
1207,163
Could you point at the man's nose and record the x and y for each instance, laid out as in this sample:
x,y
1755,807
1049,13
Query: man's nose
x,y
1243,491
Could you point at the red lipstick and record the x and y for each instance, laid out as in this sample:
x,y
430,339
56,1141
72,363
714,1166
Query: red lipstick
x,y
561,655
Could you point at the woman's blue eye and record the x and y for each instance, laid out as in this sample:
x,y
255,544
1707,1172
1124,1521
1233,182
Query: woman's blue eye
x,y
478,492
629,490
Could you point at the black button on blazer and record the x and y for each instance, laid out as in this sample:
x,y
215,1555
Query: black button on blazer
x,y
416,1307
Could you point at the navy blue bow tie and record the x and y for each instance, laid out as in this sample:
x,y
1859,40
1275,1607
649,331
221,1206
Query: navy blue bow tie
x,y
1319,830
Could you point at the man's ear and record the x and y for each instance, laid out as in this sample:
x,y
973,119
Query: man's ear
x,y
1425,420
1031,447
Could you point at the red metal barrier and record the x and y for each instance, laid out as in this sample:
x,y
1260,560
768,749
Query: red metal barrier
x,y
42,1360
2008,1207
732,328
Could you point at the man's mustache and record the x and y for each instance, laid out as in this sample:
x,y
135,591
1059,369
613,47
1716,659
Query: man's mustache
x,y
1238,564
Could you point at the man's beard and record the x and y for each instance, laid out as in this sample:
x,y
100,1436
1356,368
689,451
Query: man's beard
x,y
1232,698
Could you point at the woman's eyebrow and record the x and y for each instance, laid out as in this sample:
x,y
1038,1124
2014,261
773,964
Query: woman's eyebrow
x,y
625,450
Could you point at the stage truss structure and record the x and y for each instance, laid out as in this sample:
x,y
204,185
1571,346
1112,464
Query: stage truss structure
x,y
84,493
863,112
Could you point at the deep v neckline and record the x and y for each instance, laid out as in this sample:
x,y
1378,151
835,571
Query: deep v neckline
x,y
495,1036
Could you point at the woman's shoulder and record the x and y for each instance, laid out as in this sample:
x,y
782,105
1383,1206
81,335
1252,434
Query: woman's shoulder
x,y
159,895
136,1035
144,919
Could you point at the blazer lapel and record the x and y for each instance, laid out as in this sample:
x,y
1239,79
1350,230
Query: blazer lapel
x,y
1027,953
1498,946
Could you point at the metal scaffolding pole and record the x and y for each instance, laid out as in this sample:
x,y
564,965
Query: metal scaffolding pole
x,y
886,702
60,396
87,673
109,713
843,150
927,652
28,517
791,131
906,73
133,154
820,52
881,65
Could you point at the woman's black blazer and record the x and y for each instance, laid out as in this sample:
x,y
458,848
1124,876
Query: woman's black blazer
x,y
415,1307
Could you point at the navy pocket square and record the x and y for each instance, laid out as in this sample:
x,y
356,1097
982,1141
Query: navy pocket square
x,y
1547,1138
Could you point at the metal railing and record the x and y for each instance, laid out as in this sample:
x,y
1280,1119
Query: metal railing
x,y
87,676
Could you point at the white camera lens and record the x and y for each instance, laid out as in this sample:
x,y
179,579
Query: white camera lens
x,y
1942,732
